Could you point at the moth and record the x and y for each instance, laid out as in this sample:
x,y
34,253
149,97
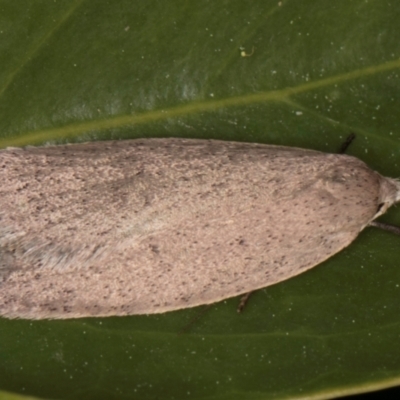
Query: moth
x,y
154,225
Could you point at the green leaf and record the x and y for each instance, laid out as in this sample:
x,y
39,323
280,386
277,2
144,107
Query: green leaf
x,y
12,396
316,71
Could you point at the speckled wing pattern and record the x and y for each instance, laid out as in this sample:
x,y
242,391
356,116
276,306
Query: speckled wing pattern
x,y
154,225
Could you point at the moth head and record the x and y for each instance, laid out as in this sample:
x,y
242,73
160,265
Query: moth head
x,y
389,195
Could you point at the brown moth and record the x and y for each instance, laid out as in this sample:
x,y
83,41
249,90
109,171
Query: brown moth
x,y
155,225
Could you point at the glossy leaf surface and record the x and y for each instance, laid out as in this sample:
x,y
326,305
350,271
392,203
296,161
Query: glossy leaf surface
x,y
282,72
